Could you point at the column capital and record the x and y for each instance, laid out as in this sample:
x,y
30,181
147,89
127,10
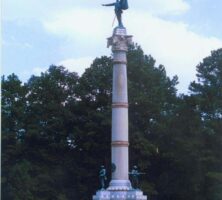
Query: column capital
x,y
120,41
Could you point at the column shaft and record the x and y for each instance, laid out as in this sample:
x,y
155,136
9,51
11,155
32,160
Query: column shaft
x,y
120,117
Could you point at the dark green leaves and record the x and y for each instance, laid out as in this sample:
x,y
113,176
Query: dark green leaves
x,y
56,131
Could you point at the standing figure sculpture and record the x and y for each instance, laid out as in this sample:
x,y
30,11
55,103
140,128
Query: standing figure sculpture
x,y
119,5
135,177
102,177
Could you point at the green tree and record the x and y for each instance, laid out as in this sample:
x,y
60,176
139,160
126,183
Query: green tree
x,y
49,129
13,106
56,131
179,159
48,96
67,124
39,111
208,95
94,124
152,98
13,113
20,182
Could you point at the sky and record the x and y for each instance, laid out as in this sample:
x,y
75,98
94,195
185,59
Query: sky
x,y
72,33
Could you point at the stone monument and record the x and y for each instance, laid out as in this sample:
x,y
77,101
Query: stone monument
x,y
120,186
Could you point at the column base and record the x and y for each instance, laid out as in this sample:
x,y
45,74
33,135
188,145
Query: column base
x,y
119,185
119,195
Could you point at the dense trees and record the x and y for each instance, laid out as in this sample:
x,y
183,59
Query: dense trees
x,y
56,131
207,93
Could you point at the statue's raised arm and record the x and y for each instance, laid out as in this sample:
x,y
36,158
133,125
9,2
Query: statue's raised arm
x,y
109,4
119,5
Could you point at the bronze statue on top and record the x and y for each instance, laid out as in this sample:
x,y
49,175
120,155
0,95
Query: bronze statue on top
x,y
119,5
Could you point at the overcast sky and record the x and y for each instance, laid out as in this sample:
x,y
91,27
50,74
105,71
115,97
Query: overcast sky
x,y
38,33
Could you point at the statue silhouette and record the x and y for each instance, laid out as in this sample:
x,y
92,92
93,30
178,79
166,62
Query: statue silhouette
x,y
102,177
119,5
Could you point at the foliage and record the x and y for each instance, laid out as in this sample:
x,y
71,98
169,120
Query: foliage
x,y
207,93
56,131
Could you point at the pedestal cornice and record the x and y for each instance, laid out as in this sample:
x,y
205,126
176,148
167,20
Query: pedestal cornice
x,y
120,40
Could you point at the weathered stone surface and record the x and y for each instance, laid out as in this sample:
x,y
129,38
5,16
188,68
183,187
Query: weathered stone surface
x,y
120,42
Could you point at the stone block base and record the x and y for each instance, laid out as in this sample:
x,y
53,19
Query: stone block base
x,y
119,195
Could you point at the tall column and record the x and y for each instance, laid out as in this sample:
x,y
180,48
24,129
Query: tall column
x,y
120,186
120,156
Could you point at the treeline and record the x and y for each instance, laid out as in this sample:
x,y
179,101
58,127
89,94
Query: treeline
x,y
56,131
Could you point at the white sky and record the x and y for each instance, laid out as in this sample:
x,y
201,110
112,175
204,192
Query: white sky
x,y
177,33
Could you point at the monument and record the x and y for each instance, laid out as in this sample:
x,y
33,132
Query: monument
x,y
120,187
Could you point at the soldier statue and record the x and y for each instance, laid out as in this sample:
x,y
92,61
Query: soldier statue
x,y
102,177
119,5
135,177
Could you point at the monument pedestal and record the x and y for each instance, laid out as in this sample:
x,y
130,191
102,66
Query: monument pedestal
x,y
119,195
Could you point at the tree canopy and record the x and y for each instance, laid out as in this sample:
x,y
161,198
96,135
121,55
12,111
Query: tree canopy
x,y
56,131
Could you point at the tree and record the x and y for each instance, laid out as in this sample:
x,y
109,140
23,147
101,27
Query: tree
x,y
152,98
13,112
209,86
179,159
57,131
46,104
13,106
66,124
94,125
49,129
208,95
39,111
